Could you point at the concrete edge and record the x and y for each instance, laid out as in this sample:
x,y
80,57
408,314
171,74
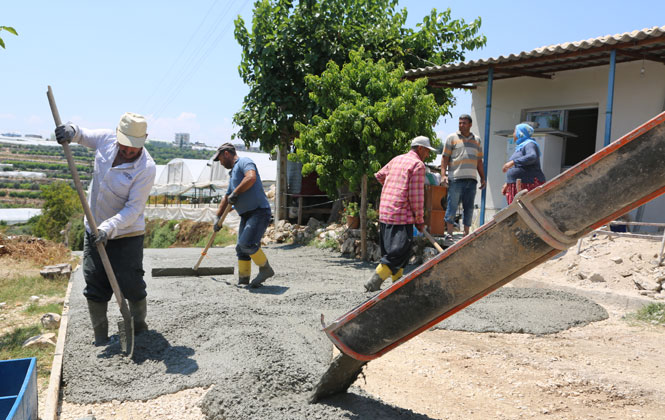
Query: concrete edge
x,y
53,392
616,300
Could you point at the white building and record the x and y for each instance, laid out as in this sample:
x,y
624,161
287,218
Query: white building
x,y
584,94
181,140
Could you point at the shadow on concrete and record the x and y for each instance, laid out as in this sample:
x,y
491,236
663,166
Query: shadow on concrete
x,y
367,408
153,346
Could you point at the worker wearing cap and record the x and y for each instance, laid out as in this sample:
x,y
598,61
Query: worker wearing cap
x,y
402,206
246,195
124,174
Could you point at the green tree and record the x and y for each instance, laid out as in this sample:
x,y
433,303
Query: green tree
x,y
8,29
290,40
369,115
61,203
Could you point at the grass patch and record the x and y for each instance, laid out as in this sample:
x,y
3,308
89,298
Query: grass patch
x,y
33,308
224,237
653,313
20,288
328,243
10,348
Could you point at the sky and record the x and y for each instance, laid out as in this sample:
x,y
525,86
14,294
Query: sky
x,y
177,62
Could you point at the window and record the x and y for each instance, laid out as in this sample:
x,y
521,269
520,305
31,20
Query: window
x,y
579,121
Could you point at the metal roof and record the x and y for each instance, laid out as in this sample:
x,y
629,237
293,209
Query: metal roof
x,y
646,44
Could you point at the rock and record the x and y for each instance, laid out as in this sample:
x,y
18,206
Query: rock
x,y
50,320
429,253
643,283
581,275
281,237
626,273
280,225
40,340
617,260
3,304
596,278
57,271
348,247
87,418
314,223
34,299
373,251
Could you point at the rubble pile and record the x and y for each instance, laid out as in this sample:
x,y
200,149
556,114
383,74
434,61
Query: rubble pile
x,y
347,241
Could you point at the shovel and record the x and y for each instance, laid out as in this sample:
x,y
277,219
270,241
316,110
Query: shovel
x,y
126,326
196,271
429,237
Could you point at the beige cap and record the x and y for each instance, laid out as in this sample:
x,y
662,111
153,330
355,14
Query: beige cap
x,y
132,130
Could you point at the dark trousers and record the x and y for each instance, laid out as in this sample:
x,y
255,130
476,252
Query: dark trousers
x,y
396,245
126,257
253,225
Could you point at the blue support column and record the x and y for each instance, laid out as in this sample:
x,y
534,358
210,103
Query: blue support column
x,y
486,146
610,98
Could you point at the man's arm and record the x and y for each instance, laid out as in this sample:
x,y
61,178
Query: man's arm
x,y
417,195
481,172
445,160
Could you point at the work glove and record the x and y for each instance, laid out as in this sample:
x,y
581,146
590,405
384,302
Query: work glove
x,y
233,198
101,238
217,226
65,133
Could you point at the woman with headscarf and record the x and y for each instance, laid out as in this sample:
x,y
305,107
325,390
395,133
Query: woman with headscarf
x,y
524,164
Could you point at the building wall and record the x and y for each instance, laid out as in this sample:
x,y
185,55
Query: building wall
x,y
637,98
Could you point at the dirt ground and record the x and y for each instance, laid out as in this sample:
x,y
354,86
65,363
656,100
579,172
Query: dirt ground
x,y
608,369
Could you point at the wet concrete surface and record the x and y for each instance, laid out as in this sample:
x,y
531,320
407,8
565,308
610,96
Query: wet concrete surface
x,y
262,349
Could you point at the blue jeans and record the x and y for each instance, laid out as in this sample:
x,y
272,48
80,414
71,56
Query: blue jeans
x,y
461,190
253,225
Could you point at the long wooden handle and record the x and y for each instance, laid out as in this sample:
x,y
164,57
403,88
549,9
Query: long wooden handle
x,y
86,209
429,237
212,237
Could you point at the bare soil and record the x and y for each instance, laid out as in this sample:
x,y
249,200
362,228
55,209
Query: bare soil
x,y
612,369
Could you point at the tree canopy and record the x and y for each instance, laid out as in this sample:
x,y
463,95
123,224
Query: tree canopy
x,y
290,40
61,203
369,114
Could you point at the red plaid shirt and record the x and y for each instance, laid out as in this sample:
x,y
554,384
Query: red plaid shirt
x,y
403,193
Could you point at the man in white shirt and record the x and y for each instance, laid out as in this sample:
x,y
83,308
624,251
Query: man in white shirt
x,y
124,174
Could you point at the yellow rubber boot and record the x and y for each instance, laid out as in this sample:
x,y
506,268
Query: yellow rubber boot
x,y
381,273
244,271
265,271
397,275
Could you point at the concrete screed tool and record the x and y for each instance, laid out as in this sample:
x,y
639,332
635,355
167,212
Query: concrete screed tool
x,y
538,225
198,271
126,326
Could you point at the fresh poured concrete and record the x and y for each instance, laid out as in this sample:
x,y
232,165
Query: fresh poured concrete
x,y
263,349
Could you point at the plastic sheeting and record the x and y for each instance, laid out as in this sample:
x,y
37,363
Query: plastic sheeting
x,y
181,175
14,216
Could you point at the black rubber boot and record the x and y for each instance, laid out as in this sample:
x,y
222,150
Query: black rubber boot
x,y
139,310
265,273
374,283
100,324
243,281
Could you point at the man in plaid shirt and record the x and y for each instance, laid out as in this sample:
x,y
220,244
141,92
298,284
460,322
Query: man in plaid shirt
x,y
402,206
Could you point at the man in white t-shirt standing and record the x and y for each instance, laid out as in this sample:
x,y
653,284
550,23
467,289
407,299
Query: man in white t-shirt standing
x,y
124,174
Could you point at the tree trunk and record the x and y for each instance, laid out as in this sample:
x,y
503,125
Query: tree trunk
x,y
280,186
363,218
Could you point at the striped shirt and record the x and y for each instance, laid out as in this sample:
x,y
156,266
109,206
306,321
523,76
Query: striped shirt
x,y
464,153
403,193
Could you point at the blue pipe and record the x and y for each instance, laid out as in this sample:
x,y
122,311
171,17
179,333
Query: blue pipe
x,y
610,98
486,146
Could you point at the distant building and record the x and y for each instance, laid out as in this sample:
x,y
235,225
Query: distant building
x,y
33,136
182,140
